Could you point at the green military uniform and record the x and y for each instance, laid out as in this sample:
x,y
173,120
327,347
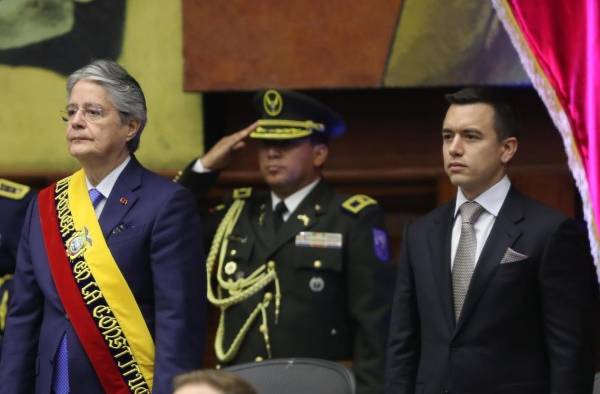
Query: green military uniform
x,y
318,287
14,199
334,300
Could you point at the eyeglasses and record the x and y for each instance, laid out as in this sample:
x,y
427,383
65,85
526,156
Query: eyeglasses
x,y
91,113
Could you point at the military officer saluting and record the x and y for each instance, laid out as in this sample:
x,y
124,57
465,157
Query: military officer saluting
x,y
299,271
14,199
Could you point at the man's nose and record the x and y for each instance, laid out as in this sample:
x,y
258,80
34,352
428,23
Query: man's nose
x,y
456,147
77,120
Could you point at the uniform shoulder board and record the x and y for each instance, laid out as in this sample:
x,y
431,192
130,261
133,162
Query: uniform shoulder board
x,y
13,190
242,193
357,203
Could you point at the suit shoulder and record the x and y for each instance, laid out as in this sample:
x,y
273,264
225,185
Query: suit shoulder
x,y
437,215
161,186
13,190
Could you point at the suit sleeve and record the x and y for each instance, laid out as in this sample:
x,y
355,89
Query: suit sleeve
x,y
370,281
200,184
18,366
404,340
569,294
179,275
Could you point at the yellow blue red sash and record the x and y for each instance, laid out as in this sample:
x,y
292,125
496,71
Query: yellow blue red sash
x,y
94,293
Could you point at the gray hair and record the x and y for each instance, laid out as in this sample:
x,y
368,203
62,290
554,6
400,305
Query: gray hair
x,y
124,92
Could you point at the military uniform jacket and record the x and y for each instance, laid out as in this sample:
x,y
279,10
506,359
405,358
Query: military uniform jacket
x,y
335,300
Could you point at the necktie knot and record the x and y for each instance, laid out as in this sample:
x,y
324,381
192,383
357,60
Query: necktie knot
x,y
470,212
96,197
280,208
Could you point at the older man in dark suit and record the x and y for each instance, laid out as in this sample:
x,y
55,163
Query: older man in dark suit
x,y
109,285
495,293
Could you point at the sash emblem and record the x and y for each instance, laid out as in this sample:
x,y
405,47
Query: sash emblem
x,y
78,243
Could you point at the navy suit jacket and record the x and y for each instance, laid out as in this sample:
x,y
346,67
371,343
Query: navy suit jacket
x,y
154,240
526,327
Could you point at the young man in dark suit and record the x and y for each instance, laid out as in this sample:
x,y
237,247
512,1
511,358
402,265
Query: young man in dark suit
x,y
495,293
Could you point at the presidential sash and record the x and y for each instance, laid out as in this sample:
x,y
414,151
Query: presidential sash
x,y
94,293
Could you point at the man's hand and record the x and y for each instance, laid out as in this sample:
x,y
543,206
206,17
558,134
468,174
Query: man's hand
x,y
219,156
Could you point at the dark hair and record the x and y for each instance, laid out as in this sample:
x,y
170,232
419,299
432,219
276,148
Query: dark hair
x,y
505,118
224,381
124,91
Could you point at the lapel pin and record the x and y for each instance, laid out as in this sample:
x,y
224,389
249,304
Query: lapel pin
x,y
123,200
305,219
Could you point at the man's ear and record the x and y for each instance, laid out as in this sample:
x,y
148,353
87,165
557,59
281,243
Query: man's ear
x,y
320,153
133,126
509,148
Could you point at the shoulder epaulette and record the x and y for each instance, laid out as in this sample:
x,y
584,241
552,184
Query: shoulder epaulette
x,y
357,203
242,193
13,190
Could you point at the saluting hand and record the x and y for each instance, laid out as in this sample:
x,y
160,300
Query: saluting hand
x,y
219,156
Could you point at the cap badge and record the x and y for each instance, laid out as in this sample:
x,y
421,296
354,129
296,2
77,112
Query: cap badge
x,y
272,102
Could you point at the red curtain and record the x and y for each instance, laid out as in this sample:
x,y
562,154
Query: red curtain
x,y
558,42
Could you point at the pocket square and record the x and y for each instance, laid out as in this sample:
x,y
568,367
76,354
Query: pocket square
x,y
512,256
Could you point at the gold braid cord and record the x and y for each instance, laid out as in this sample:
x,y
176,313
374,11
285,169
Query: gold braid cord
x,y
3,301
231,292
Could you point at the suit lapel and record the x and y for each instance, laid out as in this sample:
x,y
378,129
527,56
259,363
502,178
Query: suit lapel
x,y
439,245
304,217
503,235
122,197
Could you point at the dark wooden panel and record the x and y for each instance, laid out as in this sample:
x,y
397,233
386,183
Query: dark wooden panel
x,y
240,44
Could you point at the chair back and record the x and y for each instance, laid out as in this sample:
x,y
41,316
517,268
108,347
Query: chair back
x,y
297,376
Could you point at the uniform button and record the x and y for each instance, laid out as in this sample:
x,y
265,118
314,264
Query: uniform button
x,y
258,359
271,264
317,264
333,332
233,252
230,267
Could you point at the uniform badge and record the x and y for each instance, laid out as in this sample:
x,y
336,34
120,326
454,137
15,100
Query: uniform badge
x,y
319,240
316,284
272,102
78,243
380,243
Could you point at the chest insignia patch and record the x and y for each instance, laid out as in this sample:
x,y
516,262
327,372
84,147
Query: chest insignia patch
x,y
319,240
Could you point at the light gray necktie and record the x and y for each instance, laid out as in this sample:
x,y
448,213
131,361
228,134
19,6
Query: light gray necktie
x,y
464,261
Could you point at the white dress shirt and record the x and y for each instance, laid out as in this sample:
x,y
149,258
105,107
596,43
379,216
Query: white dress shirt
x,y
491,200
293,200
106,184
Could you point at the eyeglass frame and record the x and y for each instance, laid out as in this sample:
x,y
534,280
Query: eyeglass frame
x,y
86,109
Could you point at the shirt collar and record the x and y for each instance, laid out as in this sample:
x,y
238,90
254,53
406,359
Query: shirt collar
x,y
491,200
293,200
106,185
